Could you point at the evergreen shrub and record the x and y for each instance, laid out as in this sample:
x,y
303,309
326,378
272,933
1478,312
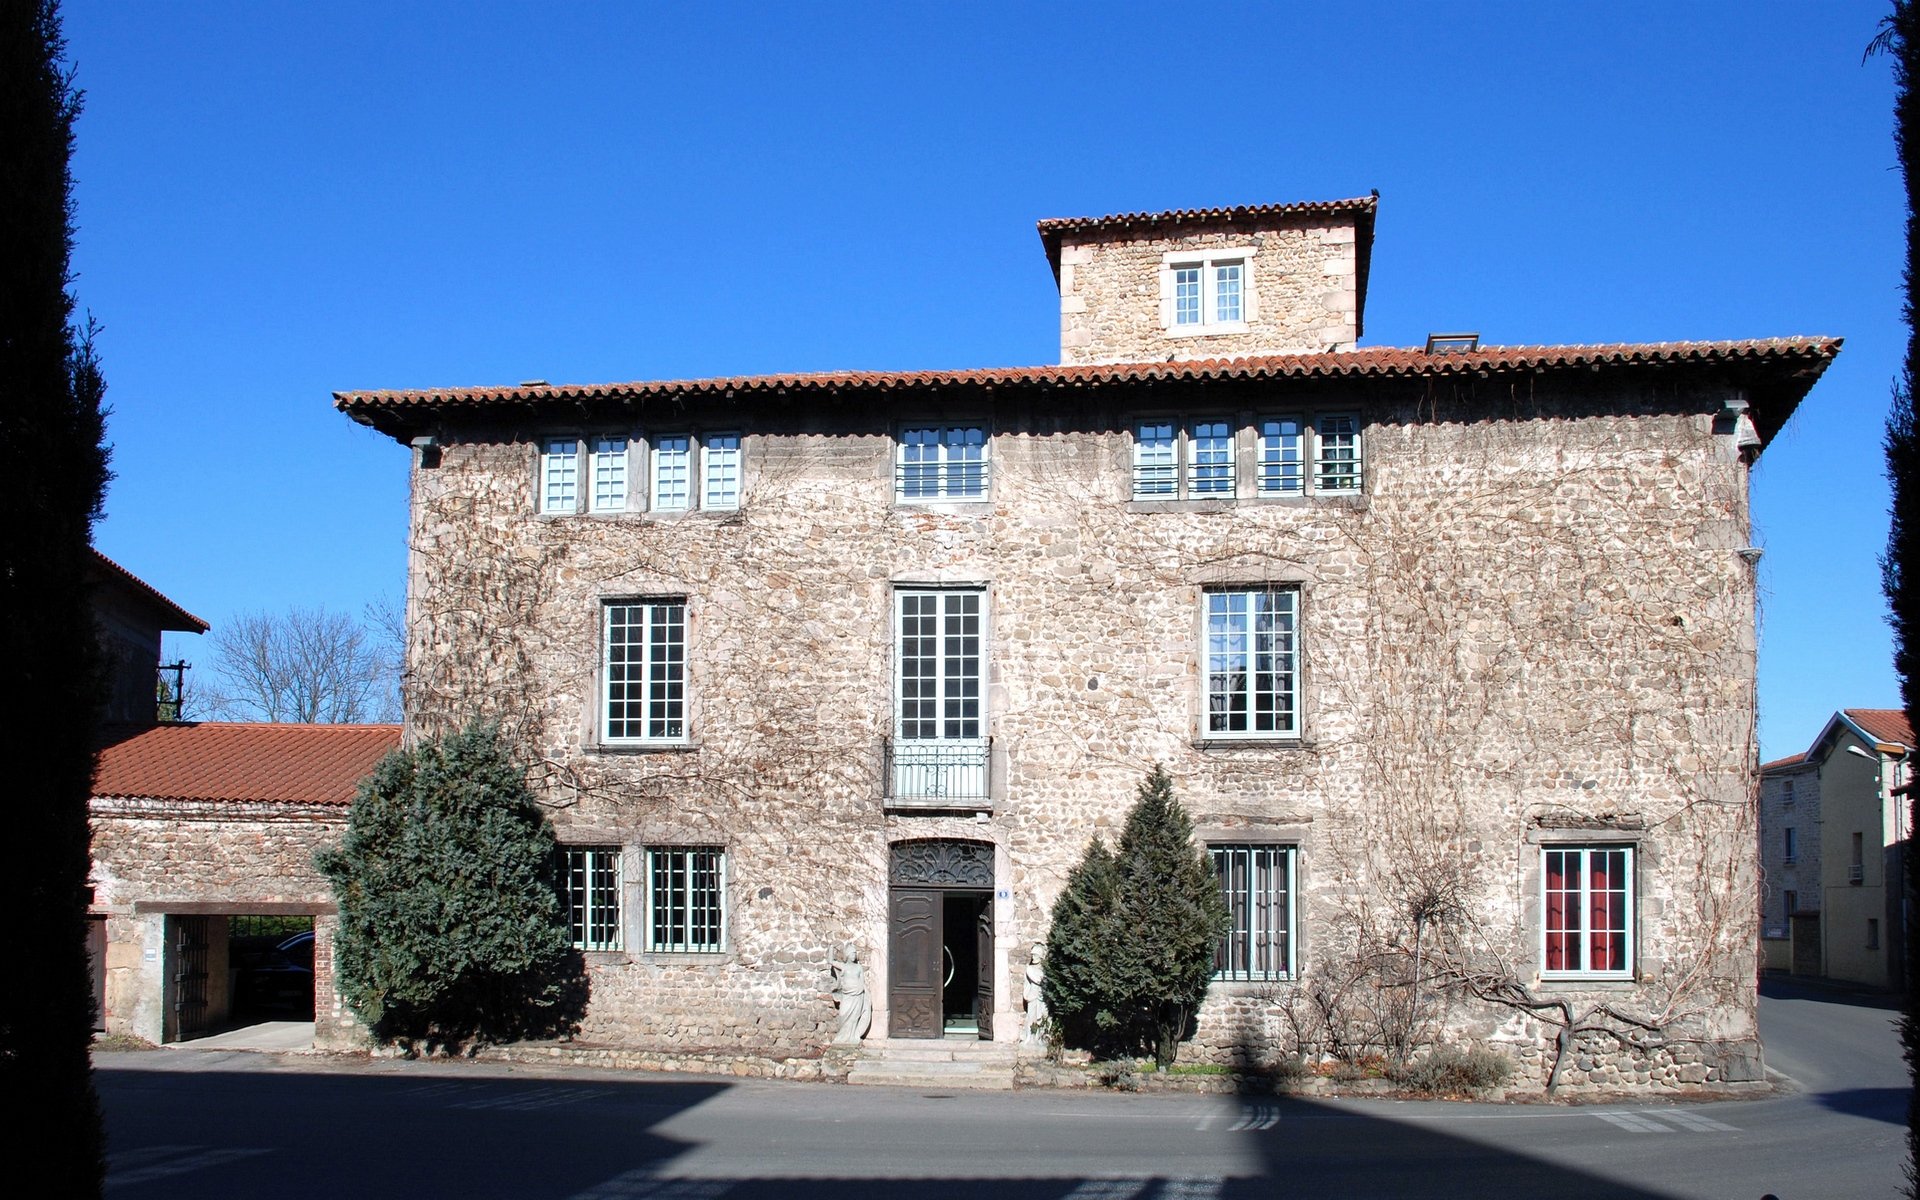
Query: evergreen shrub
x,y
452,931
1131,948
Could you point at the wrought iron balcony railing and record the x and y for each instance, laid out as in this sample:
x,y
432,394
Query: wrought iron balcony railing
x,y
932,774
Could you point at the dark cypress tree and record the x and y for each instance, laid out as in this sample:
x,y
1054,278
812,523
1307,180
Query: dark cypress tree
x,y
1078,983
1130,951
1900,567
1171,902
451,925
55,469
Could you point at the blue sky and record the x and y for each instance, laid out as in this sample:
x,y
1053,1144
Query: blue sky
x,y
277,201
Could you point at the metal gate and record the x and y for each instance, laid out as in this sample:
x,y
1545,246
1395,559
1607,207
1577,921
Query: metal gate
x,y
188,984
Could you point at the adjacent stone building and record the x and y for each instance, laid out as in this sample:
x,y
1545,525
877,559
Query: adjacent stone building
x,y
1449,646
197,825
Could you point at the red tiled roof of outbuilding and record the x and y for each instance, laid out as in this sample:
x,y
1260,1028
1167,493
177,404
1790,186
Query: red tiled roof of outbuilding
x,y
1791,760
1883,724
235,761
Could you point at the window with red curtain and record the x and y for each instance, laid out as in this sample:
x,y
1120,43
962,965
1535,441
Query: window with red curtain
x,y
1588,910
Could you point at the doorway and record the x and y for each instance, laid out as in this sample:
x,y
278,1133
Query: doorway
x,y
940,940
967,925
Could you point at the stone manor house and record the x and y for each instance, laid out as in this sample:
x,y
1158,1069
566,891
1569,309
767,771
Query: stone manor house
x,y
810,665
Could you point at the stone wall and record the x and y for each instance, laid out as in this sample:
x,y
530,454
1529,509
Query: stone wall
x,y
1532,627
152,859
1301,291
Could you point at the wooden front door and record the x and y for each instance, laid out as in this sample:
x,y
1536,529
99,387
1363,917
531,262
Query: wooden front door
x,y
914,967
983,937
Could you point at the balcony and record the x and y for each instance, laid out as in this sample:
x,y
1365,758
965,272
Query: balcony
x,y
932,774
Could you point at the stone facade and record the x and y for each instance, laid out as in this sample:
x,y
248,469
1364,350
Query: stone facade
x,y
1529,631
1302,284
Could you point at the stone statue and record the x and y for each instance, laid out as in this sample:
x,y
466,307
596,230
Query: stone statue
x,y
1035,1030
850,993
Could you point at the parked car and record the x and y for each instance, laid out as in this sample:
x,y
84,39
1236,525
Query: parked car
x,y
277,980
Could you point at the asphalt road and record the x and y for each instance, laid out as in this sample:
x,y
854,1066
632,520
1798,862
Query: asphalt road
x,y
234,1124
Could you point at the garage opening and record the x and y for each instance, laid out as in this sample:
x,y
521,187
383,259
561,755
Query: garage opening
x,y
270,966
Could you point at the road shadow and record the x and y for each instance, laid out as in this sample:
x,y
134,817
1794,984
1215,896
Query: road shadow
x,y
1887,1104
292,1135
1784,987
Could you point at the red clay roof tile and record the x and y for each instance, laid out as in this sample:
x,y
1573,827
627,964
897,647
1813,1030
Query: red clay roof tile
x,y
1809,353
1883,724
218,760
1791,760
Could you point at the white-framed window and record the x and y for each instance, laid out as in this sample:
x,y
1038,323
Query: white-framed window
x,y
1791,844
941,462
1337,465
1786,793
560,475
1173,461
608,467
1587,912
593,896
720,471
672,472
939,747
1256,881
1252,651
1280,453
1206,292
644,685
686,899
676,472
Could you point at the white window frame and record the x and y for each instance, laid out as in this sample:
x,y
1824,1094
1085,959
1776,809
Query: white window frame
x,y
595,878
1280,457
1218,647
670,468
1583,895
559,474
607,478
721,458
962,477
658,671
673,931
1210,265
941,749
1254,932
1790,844
1335,471
1173,472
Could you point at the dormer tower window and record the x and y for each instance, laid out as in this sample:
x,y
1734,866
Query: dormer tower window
x,y
1206,293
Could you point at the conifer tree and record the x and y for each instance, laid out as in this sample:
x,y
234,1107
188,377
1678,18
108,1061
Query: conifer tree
x,y
1900,567
1170,900
451,925
56,471
1078,984
1131,947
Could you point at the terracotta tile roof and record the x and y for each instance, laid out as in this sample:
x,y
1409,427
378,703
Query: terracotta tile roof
x,y
218,760
1883,724
1788,364
1791,760
184,621
1053,230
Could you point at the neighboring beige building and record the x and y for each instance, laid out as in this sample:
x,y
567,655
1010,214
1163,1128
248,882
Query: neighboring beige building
x,y
1842,807
811,663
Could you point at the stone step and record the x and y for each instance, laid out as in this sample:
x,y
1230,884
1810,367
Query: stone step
x,y
981,1076
931,1051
